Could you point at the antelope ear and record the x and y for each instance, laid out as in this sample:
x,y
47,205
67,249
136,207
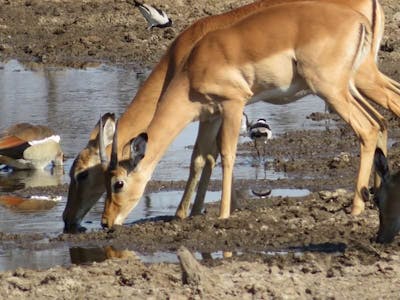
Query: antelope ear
x,y
138,150
108,132
107,117
381,165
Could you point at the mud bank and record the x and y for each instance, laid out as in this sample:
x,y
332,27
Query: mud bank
x,y
275,247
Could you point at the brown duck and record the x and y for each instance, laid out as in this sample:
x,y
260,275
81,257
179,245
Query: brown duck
x,y
26,146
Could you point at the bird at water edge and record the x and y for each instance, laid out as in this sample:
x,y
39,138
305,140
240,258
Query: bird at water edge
x,y
258,131
25,146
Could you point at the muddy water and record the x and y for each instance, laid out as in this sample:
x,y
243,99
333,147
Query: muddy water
x,y
66,256
70,101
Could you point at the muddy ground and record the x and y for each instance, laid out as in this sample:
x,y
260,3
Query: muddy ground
x,y
278,247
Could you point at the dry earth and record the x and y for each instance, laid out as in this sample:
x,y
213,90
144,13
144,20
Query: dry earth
x,y
280,248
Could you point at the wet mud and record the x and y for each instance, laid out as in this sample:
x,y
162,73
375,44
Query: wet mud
x,y
312,242
272,247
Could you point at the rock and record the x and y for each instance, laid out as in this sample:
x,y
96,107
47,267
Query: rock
x,y
340,161
396,17
193,273
129,37
329,195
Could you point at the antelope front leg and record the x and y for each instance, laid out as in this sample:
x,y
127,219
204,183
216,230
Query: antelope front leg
x,y
211,159
205,178
203,160
230,128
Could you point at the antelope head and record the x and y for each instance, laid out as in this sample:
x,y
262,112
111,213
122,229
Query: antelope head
x,y
124,183
387,198
87,176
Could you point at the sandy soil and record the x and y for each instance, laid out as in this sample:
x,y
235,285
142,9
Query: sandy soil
x,y
278,247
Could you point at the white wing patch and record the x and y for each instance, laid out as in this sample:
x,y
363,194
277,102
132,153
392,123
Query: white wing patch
x,y
55,138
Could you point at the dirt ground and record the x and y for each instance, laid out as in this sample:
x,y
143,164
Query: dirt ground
x,y
274,247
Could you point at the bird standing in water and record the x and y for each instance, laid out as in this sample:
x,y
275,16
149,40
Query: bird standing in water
x,y
154,16
258,131
25,146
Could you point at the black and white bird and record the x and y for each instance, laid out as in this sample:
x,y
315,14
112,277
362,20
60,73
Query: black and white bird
x,y
258,131
154,16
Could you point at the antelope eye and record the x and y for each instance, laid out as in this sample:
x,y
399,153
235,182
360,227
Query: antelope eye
x,y
118,185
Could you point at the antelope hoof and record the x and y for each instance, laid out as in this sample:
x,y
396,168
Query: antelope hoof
x,y
224,216
180,215
74,228
357,209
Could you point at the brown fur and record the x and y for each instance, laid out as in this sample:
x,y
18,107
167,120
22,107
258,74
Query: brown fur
x,y
140,112
230,65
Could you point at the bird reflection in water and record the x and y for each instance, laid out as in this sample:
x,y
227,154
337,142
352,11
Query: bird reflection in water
x,y
31,204
12,181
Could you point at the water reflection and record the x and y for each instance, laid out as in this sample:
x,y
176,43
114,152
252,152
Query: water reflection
x,y
165,203
42,259
31,259
10,259
32,204
67,100
70,101
83,256
16,180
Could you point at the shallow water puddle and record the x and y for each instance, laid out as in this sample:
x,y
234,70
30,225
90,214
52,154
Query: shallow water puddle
x,y
12,181
290,192
44,259
70,101
44,216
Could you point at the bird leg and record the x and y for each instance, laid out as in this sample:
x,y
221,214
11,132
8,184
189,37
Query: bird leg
x,y
258,151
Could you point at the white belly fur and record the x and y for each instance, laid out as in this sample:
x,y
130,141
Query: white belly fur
x,y
275,80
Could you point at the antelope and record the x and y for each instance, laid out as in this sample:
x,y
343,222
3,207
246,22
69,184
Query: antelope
x,y
86,174
272,55
387,199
